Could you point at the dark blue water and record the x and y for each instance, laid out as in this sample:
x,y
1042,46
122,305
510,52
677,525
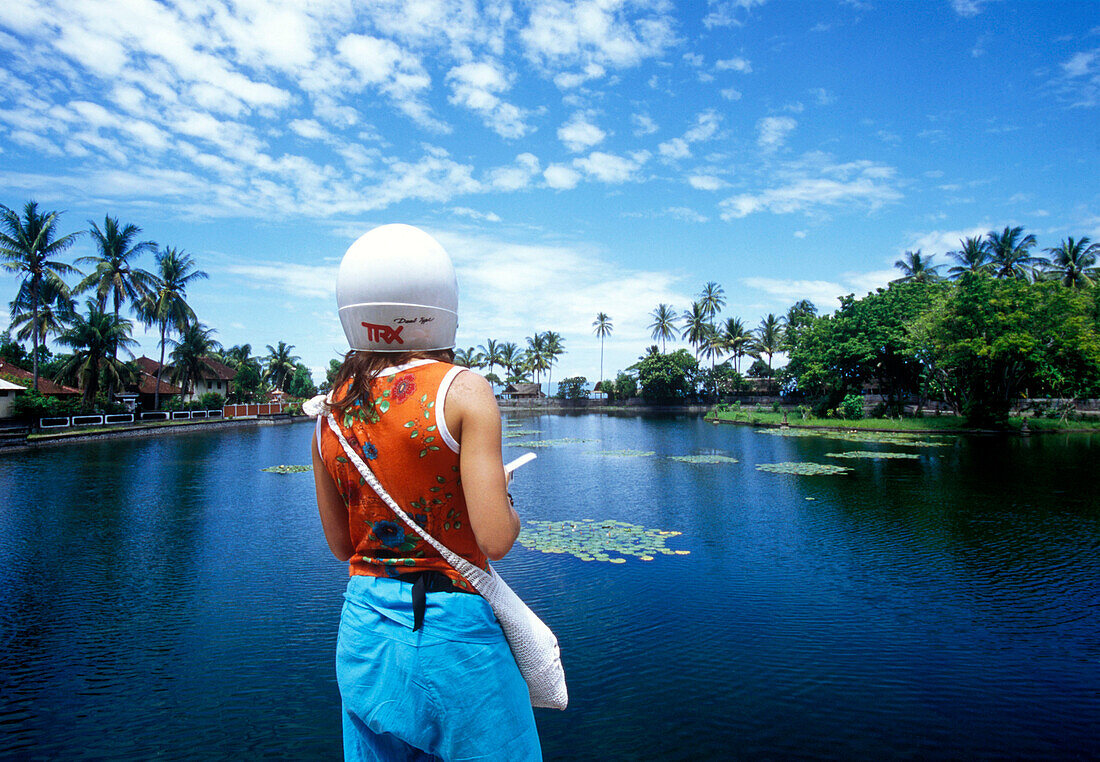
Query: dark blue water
x,y
165,598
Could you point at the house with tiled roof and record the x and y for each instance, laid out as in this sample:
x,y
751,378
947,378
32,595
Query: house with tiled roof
x,y
146,387
217,378
15,381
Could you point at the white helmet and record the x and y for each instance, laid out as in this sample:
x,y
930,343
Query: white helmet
x,y
397,291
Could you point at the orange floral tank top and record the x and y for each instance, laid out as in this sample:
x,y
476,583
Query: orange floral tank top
x,y
403,438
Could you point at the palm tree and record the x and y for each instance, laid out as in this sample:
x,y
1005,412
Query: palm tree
x,y
555,348
713,299
535,356
1008,252
916,268
240,355
190,353
28,246
602,328
768,336
695,326
95,340
510,357
713,345
736,338
1075,261
166,305
973,257
664,324
469,358
54,310
280,365
490,350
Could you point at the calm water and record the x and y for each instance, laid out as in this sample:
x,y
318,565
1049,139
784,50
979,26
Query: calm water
x,y
165,598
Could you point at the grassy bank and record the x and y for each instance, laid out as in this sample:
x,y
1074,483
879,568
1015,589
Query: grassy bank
x,y
928,423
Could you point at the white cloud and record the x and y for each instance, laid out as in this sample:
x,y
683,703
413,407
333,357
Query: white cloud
x,y
730,94
728,12
465,211
815,182
643,124
968,8
705,182
940,242
476,86
825,294
677,148
772,131
706,125
310,129
685,214
398,73
579,134
738,64
1079,82
822,97
609,168
517,176
561,177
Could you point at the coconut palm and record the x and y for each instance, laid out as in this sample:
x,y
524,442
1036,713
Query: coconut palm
x,y
1074,262
917,268
240,355
736,338
190,354
664,324
973,257
535,357
510,357
115,275
1008,252
29,246
602,327
54,311
95,339
695,326
281,365
469,358
713,299
555,348
165,306
768,336
490,350
713,345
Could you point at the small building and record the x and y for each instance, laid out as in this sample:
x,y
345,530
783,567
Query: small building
x,y
524,391
598,392
146,387
216,378
25,378
8,392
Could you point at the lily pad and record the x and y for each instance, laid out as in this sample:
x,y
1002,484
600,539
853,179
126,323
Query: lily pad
x,y
704,459
871,454
519,433
549,442
892,438
626,453
803,469
589,540
287,469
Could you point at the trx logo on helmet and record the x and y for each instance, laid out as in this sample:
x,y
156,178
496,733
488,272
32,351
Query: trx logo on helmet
x,y
384,333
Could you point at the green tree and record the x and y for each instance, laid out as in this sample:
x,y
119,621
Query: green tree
x,y
536,357
737,338
301,384
916,267
469,358
95,339
490,351
713,299
165,304
510,357
554,348
1074,262
46,315
281,365
573,388
696,323
1008,253
972,257
800,316
768,337
190,354
602,327
29,247
626,386
664,324
667,377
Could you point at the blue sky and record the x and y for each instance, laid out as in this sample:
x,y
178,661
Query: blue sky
x,y
572,157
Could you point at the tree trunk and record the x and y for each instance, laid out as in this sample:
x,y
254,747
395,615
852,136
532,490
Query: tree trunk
x,y
34,329
160,368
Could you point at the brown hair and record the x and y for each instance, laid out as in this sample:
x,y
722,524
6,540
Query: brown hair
x,y
361,368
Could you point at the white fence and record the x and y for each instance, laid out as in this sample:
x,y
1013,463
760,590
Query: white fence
x,y
114,419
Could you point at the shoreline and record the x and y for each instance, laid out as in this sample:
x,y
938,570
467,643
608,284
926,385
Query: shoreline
x,y
852,429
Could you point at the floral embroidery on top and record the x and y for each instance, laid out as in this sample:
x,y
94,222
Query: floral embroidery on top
x,y
389,534
404,388
370,452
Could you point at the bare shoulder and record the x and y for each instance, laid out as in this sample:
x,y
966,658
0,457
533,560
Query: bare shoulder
x,y
470,399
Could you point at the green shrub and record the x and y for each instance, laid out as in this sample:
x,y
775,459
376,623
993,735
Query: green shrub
x,y
852,407
775,407
211,401
804,411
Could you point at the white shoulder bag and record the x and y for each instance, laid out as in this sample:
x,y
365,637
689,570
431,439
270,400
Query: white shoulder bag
x,y
533,645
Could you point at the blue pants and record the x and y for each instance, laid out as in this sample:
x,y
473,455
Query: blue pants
x,y
449,691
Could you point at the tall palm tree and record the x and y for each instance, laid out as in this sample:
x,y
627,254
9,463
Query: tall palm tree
x,y
29,246
736,338
768,336
469,358
190,353
510,356
281,365
1075,261
602,327
166,304
973,257
535,356
695,326
54,311
490,350
1008,252
713,345
713,299
664,324
95,339
240,355
555,348
917,268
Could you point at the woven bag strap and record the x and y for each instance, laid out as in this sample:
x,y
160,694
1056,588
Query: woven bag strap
x,y
460,564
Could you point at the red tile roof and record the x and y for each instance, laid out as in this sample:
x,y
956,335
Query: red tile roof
x,y
45,385
221,371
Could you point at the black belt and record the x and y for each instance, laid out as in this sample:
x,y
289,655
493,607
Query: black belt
x,y
424,582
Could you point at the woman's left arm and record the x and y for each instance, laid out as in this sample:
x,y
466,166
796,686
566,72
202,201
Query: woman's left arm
x,y
334,513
